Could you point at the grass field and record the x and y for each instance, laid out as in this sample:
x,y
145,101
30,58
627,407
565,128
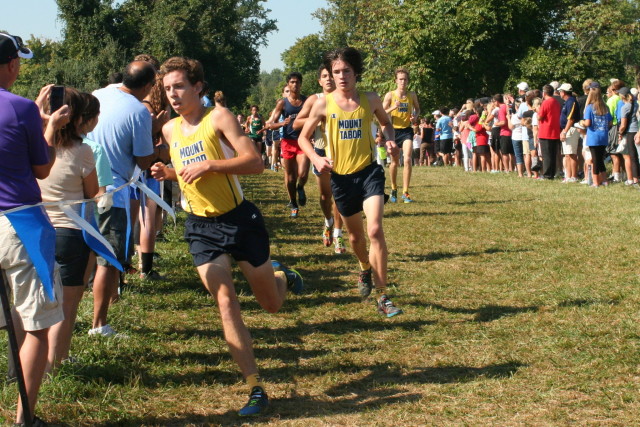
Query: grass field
x,y
521,304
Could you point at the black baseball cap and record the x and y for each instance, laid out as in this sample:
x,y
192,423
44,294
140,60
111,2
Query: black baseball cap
x,y
12,47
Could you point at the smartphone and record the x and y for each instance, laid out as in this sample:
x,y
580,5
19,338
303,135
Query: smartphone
x,y
56,98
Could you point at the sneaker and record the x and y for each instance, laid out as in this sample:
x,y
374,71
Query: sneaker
x,y
152,276
406,198
35,422
295,283
257,404
394,196
365,284
302,196
340,248
386,307
294,213
327,237
584,181
629,182
106,331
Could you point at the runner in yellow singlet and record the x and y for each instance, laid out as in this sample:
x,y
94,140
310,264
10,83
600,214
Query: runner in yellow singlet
x,y
357,181
402,106
332,218
208,149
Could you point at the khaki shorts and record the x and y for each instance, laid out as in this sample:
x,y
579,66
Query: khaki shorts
x,y
570,144
23,283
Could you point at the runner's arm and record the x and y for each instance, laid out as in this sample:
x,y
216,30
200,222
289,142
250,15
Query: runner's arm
x,y
385,123
416,105
304,113
159,170
316,115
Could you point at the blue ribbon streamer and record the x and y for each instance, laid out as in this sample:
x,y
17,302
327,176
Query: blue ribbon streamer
x,y
38,236
93,243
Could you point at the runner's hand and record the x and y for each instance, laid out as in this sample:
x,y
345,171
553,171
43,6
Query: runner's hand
x,y
392,148
323,164
159,171
193,171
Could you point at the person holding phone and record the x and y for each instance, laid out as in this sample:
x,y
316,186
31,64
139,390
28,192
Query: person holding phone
x,y
25,154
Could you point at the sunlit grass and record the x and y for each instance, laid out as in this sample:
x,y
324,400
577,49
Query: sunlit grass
x,y
521,308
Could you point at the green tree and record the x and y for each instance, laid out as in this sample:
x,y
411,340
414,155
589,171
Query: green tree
x,y
101,36
455,49
305,56
266,92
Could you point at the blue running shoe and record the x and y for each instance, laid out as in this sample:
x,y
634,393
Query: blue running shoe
x,y
406,198
386,307
257,404
394,196
294,279
294,213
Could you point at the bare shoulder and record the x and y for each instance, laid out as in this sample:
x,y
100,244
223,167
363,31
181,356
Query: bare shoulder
x,y
167,129
373,96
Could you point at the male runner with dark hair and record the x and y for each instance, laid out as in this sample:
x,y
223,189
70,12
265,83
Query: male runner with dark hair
x,y
357,181
332,218
208,150
295,162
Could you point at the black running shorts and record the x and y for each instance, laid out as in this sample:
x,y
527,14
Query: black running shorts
x,y
350,191
240,233
403,135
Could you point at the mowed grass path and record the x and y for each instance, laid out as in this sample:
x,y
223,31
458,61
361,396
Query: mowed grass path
x,y
521,304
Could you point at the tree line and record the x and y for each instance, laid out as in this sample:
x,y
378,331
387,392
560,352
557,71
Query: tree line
x,y
454,49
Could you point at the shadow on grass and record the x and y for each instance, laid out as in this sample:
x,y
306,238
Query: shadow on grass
x,y
383,374
287,408
392,214
485,313
488,202
440,255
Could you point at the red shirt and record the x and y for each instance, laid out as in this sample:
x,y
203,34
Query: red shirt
x,y
549,119
482,138
502,117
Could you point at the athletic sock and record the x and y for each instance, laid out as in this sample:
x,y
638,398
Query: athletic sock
x,y
394,188
405,190
281,274
337,232
254,381
364,266
328,222
381,290
147,261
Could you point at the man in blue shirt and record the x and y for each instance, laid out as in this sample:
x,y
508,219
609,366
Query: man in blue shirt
x,y
444,126
124,131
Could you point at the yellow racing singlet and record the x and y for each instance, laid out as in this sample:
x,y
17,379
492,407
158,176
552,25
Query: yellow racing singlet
x,y
212,194
401,116
350,143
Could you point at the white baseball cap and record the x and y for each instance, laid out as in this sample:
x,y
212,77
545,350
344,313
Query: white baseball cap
x,y
523,86
565,87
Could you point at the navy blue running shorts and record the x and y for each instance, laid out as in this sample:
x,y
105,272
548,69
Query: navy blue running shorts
x,y
241,233
350,191
403,135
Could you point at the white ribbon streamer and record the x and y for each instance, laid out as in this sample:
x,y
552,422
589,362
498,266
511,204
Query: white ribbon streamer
x,y
85,225
153,196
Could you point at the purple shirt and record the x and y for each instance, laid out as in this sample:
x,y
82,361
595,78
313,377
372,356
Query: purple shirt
x,y
22,145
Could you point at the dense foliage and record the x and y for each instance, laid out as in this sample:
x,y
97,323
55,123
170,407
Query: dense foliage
x,y
101,36
457,49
